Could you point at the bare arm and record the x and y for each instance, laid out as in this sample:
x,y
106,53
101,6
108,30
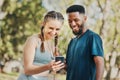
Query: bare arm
x,y
99,61
29,67
29,52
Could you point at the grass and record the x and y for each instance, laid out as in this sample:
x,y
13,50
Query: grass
x,y
13,76
60,77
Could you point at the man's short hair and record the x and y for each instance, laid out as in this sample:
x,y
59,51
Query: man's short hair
x,y
76,8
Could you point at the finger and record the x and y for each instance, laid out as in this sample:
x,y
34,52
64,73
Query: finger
x,y
52,62
58,62
59,65
57,69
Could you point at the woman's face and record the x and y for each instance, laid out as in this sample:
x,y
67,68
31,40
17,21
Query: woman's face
x,y
51,28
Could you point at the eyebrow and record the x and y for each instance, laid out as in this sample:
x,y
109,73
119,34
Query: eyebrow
x,y
51,27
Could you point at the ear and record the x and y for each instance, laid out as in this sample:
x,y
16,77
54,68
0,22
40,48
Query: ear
x,y
85,18
42,23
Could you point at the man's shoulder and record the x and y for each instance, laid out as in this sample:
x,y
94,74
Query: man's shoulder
x,y
94,36
92,33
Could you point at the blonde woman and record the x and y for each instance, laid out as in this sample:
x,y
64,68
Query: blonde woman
x,y
40,49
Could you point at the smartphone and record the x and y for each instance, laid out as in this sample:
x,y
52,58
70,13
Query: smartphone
x,y
59,58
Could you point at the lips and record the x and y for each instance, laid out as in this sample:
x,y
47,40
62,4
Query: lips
x,y
75,28
51,35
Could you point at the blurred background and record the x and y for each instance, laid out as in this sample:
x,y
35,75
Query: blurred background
x,y
22,18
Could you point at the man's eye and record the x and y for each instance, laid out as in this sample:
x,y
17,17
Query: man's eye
x,y
69,21
76,20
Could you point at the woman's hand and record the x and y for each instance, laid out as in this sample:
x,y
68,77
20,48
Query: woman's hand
x,y
56,66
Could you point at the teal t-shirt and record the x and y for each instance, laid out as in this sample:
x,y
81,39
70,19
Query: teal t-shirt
x,y
80,53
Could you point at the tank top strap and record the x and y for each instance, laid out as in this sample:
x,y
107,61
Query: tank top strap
x,y
38,43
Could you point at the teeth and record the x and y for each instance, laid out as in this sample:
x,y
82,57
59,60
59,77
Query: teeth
x,y
74,27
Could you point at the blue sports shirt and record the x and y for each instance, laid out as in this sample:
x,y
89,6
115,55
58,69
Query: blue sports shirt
x,y
80,53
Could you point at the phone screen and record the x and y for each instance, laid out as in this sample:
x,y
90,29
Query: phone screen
x,y
59,58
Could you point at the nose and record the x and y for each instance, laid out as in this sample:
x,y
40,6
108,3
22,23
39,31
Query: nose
x,y
73,23
54,32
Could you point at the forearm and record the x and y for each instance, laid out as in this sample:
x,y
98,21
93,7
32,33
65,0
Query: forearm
x,y
99,68
99,71
33,69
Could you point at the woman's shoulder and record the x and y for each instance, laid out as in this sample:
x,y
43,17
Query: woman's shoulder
x,y
34,38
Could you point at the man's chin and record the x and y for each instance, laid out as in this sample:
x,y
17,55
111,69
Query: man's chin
x,y
77,32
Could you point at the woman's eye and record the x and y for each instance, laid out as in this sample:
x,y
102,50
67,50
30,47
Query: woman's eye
x,y
57,29
51,28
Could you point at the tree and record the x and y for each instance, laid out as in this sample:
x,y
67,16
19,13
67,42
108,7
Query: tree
x,y
22,19
107,19
104,18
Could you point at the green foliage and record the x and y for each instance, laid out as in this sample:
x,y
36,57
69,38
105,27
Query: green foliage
x,y
109,25
64,39
22,19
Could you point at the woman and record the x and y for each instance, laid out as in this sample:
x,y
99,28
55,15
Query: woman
x,y
40,49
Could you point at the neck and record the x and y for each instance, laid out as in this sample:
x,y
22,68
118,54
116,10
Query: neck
x,y
83,31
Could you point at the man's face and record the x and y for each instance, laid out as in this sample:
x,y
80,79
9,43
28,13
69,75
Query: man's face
x,y
76,22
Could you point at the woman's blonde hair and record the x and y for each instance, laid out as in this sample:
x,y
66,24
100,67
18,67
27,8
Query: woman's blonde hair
x,y
54,16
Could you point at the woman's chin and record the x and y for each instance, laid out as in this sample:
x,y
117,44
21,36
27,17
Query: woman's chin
x,y
50,37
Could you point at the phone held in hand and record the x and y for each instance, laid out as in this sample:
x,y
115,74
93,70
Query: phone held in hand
x,y
59,58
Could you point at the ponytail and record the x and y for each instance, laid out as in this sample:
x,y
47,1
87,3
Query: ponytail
x,y
42,40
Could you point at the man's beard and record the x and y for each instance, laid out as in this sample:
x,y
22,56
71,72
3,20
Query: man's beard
x,y
80,30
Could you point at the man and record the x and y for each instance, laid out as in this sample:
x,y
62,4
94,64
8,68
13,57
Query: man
x,y
84,59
